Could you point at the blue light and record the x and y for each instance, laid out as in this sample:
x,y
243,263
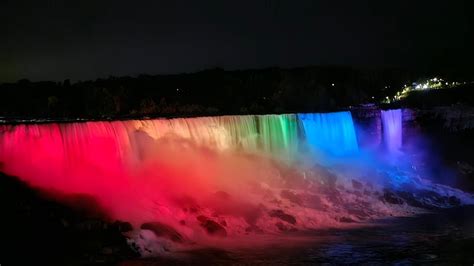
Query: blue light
x,y
331,133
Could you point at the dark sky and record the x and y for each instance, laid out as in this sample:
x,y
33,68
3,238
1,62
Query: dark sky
x,y
55,40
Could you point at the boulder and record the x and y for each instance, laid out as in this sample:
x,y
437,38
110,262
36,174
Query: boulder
x,y
283,216
163,230
291,196
392,198
213,228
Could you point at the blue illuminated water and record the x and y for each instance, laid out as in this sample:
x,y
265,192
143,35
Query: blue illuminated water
x,y
330,133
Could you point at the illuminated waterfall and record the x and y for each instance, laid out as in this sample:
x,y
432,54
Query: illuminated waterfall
x,y
392,129
331,133
248,171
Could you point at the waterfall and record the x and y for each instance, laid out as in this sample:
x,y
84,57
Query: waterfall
x,y
279,136
331,133
129,166
392,129
247,171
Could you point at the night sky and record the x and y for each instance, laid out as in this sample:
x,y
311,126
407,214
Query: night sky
x,y
55,40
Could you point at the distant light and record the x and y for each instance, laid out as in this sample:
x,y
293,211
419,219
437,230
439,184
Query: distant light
x,y
177,90
373,97
446,83
332,84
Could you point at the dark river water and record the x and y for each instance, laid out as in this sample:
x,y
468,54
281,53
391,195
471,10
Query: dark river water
x,y
442,237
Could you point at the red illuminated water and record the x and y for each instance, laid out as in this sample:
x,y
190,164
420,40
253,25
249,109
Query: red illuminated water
x,y
209,179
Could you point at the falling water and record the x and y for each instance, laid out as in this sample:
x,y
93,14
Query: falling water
x,y
241,171
331,133
392,129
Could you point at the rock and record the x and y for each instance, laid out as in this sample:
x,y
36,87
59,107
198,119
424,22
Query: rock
x,y
281,226
187,203
254,228
291,196
314,202
163,230
283,216
211,226
346,220
391,198
453,200
357,185
334,196
411,200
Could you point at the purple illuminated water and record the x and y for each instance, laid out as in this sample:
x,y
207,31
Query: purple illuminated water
x,y
392,129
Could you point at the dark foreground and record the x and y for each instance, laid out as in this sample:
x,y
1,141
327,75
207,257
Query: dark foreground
x,y
38,230
443,237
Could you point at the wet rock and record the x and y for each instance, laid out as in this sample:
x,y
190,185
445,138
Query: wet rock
x,y
453,200
314,202
285,228
334,196
283,216
163,230
281,227
413,201
253,228
432,196
291,196
360,210
392,198
346,220
211,226
357,185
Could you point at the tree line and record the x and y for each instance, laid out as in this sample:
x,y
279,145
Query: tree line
x,y
209,92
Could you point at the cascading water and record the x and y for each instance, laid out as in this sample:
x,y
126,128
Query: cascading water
x,y
332,133
206,177
392,129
